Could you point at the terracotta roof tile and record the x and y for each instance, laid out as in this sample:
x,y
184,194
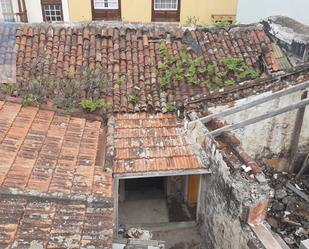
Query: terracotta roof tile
x,y
53,190
146,143
50,153
133,52
48,224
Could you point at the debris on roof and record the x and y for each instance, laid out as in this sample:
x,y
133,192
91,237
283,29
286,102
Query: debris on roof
x,y
291,35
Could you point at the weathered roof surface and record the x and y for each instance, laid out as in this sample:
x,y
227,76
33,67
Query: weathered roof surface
x,y
40,224
288,29
133,51
53,190
50,153
147,143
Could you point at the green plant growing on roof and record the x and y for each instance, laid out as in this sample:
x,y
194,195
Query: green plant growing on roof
x,y
237,68
193,20
183,68
222,23
32,100
91,106
9,88
132,99
65,91
170,107
208,84
229,82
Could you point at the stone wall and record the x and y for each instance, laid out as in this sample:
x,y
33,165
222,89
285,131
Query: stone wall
x,y
226,199
176,187
271,136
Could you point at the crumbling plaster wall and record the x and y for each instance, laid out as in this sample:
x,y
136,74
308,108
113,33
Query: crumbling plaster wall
x,y
270,136
224,199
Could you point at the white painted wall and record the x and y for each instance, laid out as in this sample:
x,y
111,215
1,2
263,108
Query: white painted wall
x,y
250,11
34,11
65,9
274,133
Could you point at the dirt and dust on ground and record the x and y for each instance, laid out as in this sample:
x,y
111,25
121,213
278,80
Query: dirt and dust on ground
x,y
288,215
186,238
180,211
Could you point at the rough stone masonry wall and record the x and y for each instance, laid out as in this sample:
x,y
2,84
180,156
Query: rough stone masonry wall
x,y
271,136
225,200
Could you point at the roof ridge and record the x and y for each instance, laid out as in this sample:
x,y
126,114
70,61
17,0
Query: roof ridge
x,y
137,25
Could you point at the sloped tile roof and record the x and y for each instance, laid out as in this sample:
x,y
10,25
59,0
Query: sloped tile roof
x,y
54,192
40,224
50,153
133,51
147,143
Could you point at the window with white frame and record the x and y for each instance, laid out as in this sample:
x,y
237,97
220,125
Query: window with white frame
x,y
106,4
6,10
165,4
52,12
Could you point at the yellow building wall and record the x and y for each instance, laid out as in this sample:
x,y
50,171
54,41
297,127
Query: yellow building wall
x,y
80,10
136,10
140,10
203,9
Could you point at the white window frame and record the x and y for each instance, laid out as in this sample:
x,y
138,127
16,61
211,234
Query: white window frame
x,y
6,11
108,2
166,9
52,8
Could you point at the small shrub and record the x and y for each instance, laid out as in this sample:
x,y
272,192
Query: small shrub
x,y
90,105
223,23
32,100
132,99
9,89
170,107
193,20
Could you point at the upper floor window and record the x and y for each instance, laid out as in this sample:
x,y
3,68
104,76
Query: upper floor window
x,y
52,10
106,9
6,10
106,4
166,4
165,11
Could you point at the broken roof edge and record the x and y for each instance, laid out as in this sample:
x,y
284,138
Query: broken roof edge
x,y
288,29
268,82
197,131
255,191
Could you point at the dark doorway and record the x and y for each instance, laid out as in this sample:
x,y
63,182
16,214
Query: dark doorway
x,y
145,183
144,188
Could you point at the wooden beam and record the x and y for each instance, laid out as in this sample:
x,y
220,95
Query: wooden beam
x,y
296,134
256,102
163,173
304,167
297,191
270,114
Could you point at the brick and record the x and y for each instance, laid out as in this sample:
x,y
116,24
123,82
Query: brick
x,y
257,212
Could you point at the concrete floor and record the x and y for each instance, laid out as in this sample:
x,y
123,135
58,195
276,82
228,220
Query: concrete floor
x,y
186,238
139,209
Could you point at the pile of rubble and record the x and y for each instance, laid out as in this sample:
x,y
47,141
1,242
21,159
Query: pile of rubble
x,y
289,212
